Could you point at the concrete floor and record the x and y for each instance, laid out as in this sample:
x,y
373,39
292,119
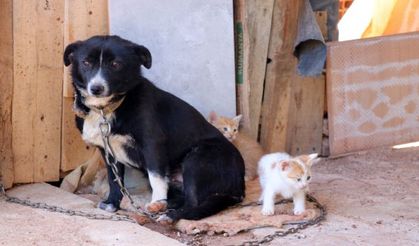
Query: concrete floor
x,y
372,199
20,225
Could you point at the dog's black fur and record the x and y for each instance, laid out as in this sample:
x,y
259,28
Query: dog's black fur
x,y
168,133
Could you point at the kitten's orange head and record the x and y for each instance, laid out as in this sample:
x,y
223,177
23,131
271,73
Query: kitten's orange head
x,y
229,127
298,170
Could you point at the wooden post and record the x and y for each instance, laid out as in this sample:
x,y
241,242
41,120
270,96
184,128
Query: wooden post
x,y
255,19
83,19
37,97
6,81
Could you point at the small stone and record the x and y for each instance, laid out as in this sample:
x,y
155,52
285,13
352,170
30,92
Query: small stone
x,y
379,222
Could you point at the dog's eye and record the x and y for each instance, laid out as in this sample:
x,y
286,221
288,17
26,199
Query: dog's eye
x,y
308,177
87,63
116,65
299,179
235,130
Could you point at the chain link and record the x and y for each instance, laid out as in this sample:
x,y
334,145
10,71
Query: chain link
x,y
299,226
105,130
266,239
56,209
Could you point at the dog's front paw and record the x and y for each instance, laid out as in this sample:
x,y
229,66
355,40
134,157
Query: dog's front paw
x,y
109,207
268,211
165,220
299,211
156,207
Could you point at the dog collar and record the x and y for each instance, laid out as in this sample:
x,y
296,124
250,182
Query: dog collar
x,y
111,107
115,103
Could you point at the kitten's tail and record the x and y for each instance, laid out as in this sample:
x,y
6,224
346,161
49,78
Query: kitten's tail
x,y
210,206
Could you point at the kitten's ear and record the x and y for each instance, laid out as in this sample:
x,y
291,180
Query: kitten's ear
x,y
312,159
313,156
284,165
307,159
237,119
212,117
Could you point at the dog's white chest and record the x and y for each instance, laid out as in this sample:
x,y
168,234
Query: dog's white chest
x,y
92,135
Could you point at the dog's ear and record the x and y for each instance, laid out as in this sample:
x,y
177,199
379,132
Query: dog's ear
x,y
69,50
144,54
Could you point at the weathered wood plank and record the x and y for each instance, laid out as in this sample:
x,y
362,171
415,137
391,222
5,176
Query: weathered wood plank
x,y
37,89
6,82
279,74
47,154
256,32
24,41
306,113
83,19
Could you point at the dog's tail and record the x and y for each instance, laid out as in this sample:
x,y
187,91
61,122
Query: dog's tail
x,y
212,205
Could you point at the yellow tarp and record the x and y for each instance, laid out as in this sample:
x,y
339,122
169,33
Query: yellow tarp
x,y
371,18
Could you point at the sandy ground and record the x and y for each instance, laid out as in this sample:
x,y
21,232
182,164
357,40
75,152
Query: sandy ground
x,y
371,198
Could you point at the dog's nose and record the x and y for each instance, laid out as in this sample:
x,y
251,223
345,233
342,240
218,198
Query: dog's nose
x,y
97,89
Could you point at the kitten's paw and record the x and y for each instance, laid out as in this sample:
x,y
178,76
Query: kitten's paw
x,y
268,211
109,207
299,211
156,207
165,220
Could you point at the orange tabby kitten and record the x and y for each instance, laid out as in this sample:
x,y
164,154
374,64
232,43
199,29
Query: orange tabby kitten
x,y
249,148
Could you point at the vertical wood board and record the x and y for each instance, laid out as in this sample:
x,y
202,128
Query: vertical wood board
x,y
279,72
6,81
306,111
256,21
37,97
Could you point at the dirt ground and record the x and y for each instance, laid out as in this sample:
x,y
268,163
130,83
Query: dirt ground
x,y
371,199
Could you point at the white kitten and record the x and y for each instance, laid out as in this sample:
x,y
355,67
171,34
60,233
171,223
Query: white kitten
x,y
286,175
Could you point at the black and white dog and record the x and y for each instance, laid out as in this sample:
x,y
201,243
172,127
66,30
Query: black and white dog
x,y
152,130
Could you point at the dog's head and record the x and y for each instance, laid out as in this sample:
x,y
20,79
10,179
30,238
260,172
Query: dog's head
x,y
105,67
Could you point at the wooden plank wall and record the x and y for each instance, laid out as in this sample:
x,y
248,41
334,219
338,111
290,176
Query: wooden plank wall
x,y
6,81
39,124
83,19
38,136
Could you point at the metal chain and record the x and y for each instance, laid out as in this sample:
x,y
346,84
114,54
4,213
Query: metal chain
x,y
115,217
300,225
105,130
56,209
